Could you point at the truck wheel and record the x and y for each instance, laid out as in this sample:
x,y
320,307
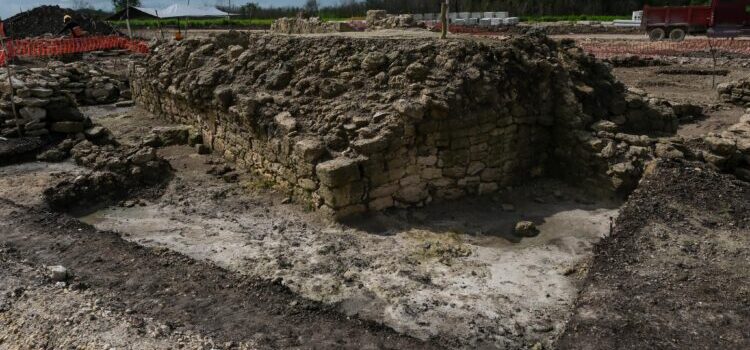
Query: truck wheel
x,y
677,34
656,34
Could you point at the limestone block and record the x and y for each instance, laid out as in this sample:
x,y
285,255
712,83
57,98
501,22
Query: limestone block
x,y
339,197
307,184
67,127
338,172
385,190
488,187
370,146
475,168
381,203
432,173
33,113
286,122
412,194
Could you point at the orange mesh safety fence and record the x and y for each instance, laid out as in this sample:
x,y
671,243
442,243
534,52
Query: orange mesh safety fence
x,y
39,47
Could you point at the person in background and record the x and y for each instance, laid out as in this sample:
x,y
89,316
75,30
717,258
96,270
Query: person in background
x,y
75,29
2,29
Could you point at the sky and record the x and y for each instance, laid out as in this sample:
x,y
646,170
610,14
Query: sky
x,y
11,7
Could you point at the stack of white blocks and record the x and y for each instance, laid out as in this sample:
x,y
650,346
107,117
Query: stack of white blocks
x,y
485,19
634,22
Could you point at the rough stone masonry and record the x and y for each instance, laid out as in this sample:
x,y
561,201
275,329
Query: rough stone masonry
x,y
357,124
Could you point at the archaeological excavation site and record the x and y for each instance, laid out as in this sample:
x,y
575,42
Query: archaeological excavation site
x,y
367,184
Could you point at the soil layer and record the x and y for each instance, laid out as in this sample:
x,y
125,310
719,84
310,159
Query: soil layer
x,y
673,275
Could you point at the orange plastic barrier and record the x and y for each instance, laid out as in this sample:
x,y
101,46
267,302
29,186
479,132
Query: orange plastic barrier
x,y
57,47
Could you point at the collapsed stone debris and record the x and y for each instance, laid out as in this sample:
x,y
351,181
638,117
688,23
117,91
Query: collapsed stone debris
x,y
46,101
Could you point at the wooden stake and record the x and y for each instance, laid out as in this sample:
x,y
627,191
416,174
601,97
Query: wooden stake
x,y
10,84
444,19
158,23
127,18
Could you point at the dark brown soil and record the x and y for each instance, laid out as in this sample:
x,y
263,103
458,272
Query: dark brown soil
x,y
184,293
674,274
49,20
16,150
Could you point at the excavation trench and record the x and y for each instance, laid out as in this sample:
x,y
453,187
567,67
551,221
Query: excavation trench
x,y
451,271
393,198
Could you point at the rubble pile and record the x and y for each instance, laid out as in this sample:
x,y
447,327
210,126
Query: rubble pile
x,y
736,92
117,172
380,19
728,151
366,124
299,25
49,20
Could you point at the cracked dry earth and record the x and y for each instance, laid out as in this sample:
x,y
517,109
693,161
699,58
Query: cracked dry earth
x,y
444,275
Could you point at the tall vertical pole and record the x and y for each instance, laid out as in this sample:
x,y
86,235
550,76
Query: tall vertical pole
x,y
444,19
10,84
187,22
158,22
127,18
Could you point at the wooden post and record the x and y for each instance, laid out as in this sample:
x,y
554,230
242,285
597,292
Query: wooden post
x,y
10,84
127,18
187,21
158,23
444,19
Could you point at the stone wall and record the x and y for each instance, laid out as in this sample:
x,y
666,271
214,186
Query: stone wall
x,y
313,25
380,19
47,97
42,107
736,92
351,125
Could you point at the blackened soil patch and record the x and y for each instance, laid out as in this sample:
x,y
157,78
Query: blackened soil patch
x,y
19,150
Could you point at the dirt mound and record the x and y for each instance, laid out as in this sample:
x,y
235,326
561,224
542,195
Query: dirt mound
x,y
673,274
49,20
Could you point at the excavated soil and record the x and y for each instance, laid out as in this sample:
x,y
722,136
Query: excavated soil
x,y
49,20
673,275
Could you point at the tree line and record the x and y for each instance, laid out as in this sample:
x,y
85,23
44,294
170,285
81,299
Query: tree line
x,y
354,8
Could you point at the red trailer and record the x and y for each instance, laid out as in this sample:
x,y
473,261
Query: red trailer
x,y
722,18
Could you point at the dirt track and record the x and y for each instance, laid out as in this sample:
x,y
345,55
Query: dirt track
x,y
155,285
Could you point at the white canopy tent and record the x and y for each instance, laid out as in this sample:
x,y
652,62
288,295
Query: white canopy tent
x,y
181,10
151,11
